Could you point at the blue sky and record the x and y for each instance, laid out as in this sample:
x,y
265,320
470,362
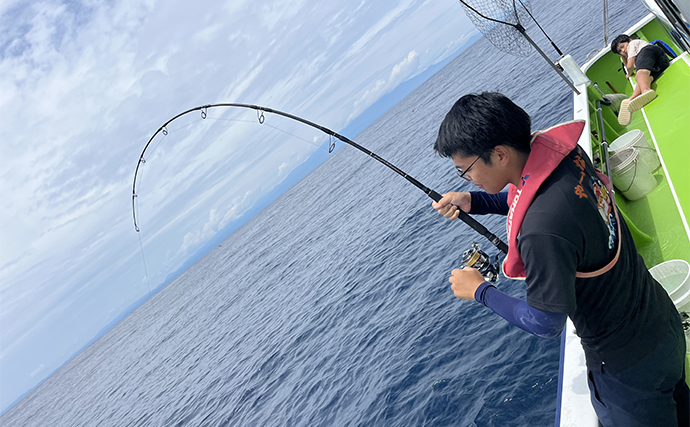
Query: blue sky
x,y
85,85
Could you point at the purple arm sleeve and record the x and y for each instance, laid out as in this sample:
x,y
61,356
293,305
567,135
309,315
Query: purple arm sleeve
x,y
485,203
543,324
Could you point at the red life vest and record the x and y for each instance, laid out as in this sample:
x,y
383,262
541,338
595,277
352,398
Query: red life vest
x,y
548,148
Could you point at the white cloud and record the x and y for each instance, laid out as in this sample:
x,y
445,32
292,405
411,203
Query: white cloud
x,y
280,11
84,85
217,220
283,168
400,72
207,34
38,370
378,27
59,117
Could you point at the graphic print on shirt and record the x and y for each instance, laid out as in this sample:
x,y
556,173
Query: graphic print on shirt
x,y
605,208
579,190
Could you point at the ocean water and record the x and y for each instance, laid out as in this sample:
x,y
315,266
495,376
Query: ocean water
x,y
332,306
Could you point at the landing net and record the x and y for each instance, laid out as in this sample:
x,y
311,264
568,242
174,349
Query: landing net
x,y
498,21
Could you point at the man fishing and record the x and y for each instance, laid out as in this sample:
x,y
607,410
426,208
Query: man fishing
x,y
575,253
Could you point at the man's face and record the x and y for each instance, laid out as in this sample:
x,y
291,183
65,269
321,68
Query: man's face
x,y
623,48
487,177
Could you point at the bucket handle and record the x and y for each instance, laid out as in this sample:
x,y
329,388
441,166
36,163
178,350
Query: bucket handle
x,y
633,178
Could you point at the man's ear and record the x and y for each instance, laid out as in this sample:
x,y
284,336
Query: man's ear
x,y
503,154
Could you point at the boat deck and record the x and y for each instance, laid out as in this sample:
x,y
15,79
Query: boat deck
x,y
659,221
668,126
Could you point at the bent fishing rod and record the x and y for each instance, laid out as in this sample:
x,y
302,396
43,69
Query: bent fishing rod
x,y
464,216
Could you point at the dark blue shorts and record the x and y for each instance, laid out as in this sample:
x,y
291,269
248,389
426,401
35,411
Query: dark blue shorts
x,y
651,393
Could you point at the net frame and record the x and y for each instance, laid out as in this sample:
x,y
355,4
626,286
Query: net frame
x,y
500,22
503,13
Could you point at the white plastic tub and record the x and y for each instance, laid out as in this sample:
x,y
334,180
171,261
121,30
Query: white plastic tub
x,y
630,175
635,139
674,276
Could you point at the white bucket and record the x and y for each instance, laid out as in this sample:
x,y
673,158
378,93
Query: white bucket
x,y
635,138
632,177
674,276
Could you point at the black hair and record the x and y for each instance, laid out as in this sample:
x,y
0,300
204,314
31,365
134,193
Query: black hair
x,y
623,38
478,123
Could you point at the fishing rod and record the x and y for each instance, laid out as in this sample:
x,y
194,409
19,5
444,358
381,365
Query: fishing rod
x,y
463,216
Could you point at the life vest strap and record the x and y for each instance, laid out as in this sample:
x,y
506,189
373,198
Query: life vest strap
x,y
609,266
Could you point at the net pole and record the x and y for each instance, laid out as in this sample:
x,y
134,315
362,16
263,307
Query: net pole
x,y
542,30
560,73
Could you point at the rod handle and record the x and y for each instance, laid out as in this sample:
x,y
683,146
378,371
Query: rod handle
x,y
475,225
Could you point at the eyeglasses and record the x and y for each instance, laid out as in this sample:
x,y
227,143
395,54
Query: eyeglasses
x,y
462,173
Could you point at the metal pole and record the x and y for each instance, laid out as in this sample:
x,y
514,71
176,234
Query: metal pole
x,y
604,143
560,73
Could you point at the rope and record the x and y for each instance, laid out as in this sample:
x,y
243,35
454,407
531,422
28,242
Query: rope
x,y
542,30
606,22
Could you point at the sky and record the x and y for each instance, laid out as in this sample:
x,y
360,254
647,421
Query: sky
x,y
85,84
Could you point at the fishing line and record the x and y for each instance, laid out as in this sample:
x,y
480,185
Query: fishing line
x,y
146,275
480,258
153,150
463,216
320,147
153,312
169,132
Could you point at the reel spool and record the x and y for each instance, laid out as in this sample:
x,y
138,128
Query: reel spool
x,y
477,258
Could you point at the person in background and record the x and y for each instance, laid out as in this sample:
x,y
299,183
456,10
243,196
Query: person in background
x,y
575,253
650,61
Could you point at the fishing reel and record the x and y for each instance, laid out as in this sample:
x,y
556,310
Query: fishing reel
x,y
477,258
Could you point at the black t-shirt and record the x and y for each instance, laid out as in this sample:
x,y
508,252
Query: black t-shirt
x,y
569,227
